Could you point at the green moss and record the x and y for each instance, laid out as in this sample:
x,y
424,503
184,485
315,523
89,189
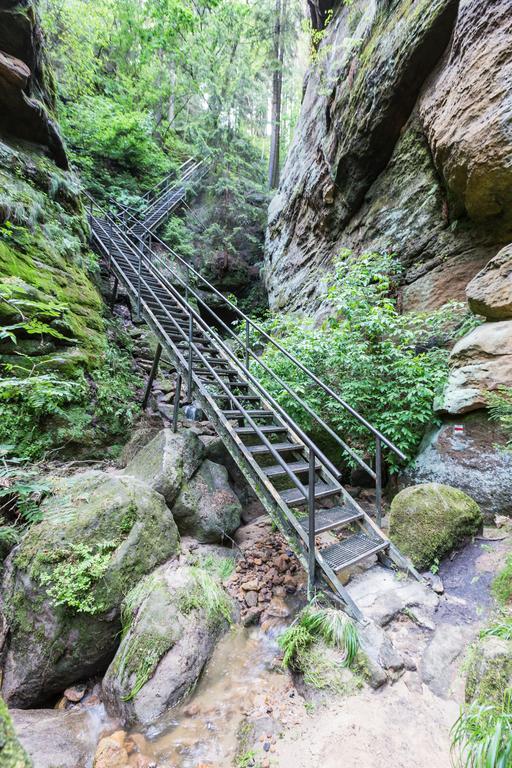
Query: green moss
x,y
489,670
12,754
428,521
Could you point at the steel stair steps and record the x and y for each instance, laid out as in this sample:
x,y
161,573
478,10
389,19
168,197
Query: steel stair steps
x,y
240,415
294,498
278,471
351,550
279,447
267,429
328,519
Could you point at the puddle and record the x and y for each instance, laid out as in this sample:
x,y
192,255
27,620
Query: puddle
x,y
204,728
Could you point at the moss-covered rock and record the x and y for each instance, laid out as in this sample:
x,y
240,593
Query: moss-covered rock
x,y
428,521
167,461
12,754
171,621
64,584
489,671
207,507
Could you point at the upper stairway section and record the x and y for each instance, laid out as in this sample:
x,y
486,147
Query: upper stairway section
x,y
291,475
162,199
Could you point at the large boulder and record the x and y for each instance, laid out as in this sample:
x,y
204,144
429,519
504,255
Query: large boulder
x,y
490,291
480,363
57,738
167,461
467,455
12,754
428,521
467,115
489,670
64,584
171,620
207,507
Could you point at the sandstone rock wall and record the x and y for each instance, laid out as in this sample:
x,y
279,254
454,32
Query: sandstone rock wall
x,y
404,144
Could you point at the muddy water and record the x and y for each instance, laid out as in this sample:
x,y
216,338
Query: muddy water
x,y
236,682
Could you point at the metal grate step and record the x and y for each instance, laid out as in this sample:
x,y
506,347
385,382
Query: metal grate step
x,y
294,498
352,550
277,470
327,519
240,415
267,428
279,447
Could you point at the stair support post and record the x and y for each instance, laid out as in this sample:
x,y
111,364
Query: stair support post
x,y
190,337
311,531
247,341
154,369
139,271
113,298
378,480
176,404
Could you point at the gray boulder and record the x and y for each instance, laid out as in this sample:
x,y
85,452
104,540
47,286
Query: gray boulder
x,y
472,460
167,461
172,620
490,291
480,362
64,584
428,521
59,739
207,507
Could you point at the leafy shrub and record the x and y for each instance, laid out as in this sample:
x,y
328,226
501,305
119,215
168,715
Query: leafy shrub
x,y
386,365
500,409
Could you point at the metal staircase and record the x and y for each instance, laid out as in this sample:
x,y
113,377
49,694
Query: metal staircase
x,y
293,478
162,199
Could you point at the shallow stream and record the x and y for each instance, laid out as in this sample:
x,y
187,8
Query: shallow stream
x,y
236,682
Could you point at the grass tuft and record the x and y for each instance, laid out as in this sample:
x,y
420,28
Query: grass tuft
x,y
482,736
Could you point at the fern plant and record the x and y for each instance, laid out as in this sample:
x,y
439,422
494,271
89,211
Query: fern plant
x,y
482,736
500,409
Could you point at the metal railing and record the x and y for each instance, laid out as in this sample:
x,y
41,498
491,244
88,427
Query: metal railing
x,y
249,354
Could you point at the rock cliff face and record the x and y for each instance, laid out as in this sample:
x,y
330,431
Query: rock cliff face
x,y
27,98
404,144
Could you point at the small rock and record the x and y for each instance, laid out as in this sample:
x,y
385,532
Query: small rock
x,y
251,586
110,753
251,599
251,616
266,746
191,711
278,608
76,693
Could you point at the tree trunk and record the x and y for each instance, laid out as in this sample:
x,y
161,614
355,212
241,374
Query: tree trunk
x,y
277,84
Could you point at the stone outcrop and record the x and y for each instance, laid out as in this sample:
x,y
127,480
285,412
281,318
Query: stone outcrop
x,y
207,508
63,585
428,521
490,292
481,362
170,631
167,461
402,145
26,85
471,459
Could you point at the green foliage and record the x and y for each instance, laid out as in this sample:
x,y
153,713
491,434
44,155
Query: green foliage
x,y
314,623
387,366
80,568
501,627
207,595
502,584
500,409
482,736
221,567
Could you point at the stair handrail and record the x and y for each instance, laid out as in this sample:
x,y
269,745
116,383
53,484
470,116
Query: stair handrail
x,y
251,323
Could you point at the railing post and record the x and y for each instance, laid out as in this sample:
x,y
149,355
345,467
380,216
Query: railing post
x,y
113,298
247,342
154,369
312,525
139,270
111,239
190,336
187,282
176,404
378,480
